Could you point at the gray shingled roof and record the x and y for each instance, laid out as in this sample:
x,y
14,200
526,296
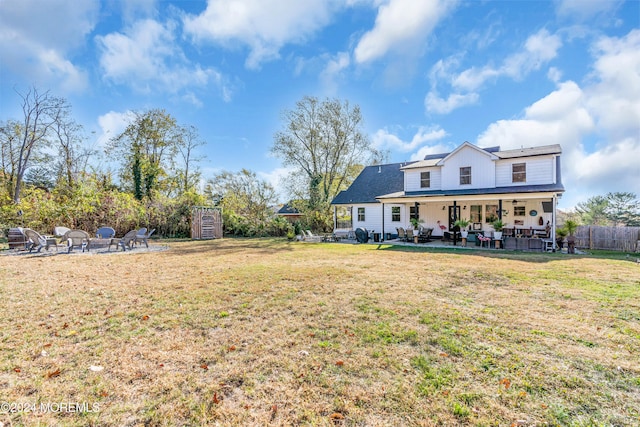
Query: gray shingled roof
x,y
372,182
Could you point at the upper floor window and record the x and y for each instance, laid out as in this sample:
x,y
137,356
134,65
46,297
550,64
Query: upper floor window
x,y
395,213
519,172
465,175
361,214
425,179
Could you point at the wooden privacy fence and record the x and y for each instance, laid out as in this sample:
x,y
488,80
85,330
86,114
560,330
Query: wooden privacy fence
x,y
625,239
206,223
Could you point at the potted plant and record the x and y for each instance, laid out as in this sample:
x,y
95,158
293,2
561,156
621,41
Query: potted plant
x,y
415,223
462,224
571,227
561,233
497,225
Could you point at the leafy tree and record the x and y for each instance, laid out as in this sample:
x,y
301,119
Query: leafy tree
x,y
245,199
623,208
594,211
146,145
324,142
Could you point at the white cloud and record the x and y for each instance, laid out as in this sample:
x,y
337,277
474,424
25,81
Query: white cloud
x,y
615,95
276,178
606,110
112,124
147,58
583,9
36,39
401,25
265,26
435,104
333,71
539,49
384,139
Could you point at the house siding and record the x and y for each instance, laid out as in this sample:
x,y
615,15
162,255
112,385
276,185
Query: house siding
x,y
540,170
372,216
482,170
412,179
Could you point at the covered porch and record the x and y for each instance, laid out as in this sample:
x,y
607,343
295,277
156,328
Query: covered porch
x,y
525,216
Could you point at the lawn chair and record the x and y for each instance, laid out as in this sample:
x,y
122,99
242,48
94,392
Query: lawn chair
x,y
409,235
105,233
37,241
76,239
143,237
308,236
401,234
60,231
125,242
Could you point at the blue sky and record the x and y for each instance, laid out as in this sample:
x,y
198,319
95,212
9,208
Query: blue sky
x,y
428,75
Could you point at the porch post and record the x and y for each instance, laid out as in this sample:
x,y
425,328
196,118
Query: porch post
x,y
500,209
335,217
553,222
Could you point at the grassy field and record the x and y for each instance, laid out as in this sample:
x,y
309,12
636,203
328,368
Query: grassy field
x,y
267,332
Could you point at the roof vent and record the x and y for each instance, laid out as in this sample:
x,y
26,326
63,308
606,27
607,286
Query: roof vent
x,y
379,169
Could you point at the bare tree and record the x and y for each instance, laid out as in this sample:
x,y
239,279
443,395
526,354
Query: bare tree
x,y
73,157
188,142
323,141
41,112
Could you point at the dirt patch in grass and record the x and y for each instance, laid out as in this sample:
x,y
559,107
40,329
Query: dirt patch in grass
x,y
255,332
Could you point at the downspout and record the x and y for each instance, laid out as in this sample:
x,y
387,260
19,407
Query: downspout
x,y
382,234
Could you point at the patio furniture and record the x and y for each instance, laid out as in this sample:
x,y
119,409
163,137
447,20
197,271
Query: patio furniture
x,y
60,231
424,235
143,237
308,236
105,233
125,241
402,235
409,235
17,238
37,241
76,239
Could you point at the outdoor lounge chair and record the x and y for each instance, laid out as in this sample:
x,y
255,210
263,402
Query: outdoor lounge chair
x,y
402,236
143,236
308,236
60,231
105,233
37,241
126,241
76,239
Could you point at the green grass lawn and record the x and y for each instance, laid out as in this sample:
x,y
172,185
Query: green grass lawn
x,y
269,332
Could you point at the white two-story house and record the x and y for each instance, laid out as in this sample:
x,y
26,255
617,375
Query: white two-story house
x,y
520,186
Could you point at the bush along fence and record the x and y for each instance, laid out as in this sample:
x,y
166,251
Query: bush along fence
x,y
626,239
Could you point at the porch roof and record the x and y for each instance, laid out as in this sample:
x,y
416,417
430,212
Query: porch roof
x,y
476,193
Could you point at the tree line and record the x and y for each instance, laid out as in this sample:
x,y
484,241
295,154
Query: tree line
x,y
50,177
615,209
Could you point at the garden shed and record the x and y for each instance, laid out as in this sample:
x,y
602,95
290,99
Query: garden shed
x,y
206,223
